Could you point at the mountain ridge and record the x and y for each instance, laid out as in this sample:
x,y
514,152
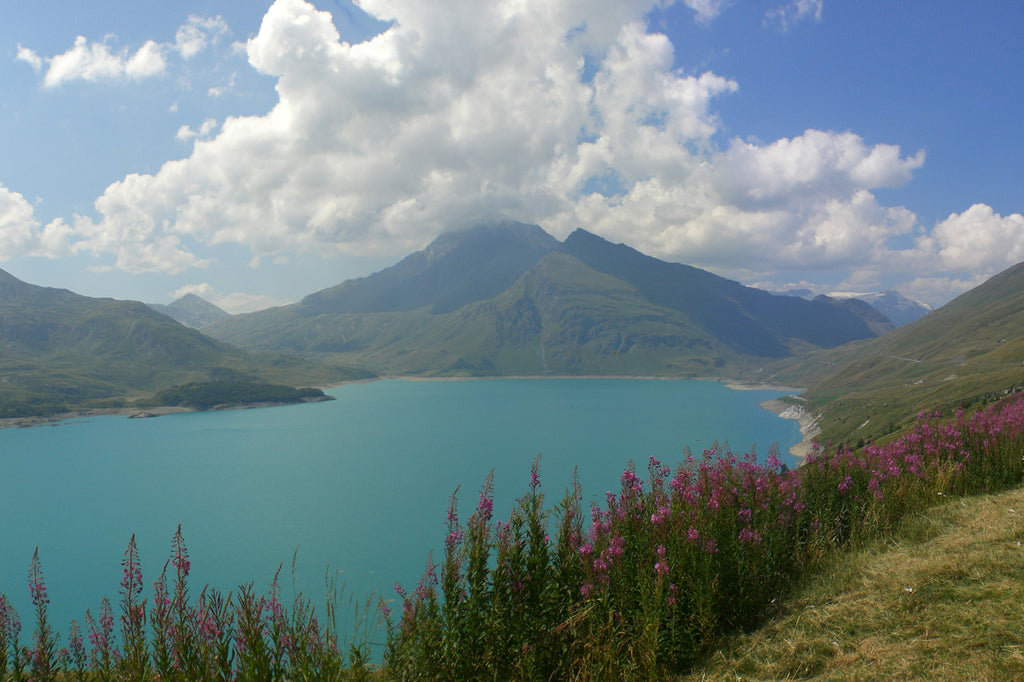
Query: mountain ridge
x,y
60,351
413,318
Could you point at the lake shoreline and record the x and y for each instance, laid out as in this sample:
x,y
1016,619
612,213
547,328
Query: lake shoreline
x,y
132,413
809,429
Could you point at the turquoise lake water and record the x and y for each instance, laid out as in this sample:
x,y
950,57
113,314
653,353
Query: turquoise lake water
x,y
358,486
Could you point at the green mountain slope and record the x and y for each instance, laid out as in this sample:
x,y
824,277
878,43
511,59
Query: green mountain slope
x,y
750,320
60,350
509,299
967,351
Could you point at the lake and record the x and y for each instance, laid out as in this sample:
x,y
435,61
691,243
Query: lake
x,y
357,487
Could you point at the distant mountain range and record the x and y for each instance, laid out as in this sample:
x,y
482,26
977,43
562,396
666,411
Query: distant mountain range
x,y
898,308
508,299
191,311
60,350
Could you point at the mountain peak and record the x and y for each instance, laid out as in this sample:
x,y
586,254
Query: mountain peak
x,y
192,311
456,268
508,298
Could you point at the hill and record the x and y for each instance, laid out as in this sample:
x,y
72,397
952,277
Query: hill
x,y
969,350
509,299
191,311
60,350
937,601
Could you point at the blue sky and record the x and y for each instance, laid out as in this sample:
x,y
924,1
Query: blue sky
x,y
254,152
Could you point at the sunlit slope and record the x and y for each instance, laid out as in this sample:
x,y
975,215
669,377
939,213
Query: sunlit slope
x,y
60,350
509,299
968,350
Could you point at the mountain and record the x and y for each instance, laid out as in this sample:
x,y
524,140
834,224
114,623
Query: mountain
x,y
191,311
455,269
748,319
968,351
508,298
899,309
60,350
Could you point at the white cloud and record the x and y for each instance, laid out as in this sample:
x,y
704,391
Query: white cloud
x,y
977,240
99,61
193,37
95,62
186,134
463,112
18,224
940,289
816,163
786,16
203,290
29,57
465,115
219,90
234,303
20,233
706,10
146,62
238,303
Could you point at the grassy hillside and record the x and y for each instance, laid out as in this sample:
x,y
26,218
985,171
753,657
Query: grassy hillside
x,y
969,351
60,350
939,600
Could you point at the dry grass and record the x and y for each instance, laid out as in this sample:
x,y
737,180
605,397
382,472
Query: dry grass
x,y
942,600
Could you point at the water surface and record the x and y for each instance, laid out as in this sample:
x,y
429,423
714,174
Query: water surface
x,y
356,487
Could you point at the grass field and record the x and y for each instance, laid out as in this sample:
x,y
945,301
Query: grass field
x,y
941,599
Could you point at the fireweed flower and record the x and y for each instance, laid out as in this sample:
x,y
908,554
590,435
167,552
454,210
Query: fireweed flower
x,y
749,536
485,507
36,586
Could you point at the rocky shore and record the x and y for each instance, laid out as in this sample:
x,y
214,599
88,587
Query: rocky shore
x,y
808,424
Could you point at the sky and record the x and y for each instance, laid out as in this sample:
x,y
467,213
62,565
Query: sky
x,y
253,152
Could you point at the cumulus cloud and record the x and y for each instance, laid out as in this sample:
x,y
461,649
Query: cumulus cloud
x,y
17,223
103,61
977,239
786,16
95,62
21,233
549,111
446,119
